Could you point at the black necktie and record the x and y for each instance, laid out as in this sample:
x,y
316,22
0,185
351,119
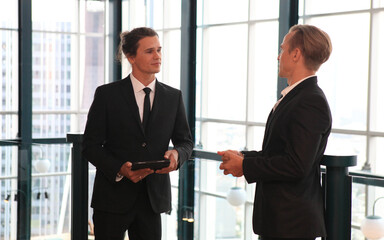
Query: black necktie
x,y
147,107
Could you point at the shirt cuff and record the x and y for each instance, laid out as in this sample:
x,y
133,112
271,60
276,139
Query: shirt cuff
x,y
118,177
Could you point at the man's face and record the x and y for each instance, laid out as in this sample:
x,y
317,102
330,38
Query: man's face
x,y
148,56
284,58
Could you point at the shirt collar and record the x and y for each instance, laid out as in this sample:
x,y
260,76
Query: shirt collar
x,y
138,86
289,88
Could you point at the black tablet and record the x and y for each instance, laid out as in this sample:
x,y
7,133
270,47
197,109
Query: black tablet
x,y
155,165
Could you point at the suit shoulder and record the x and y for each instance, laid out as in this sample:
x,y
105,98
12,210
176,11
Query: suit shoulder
x,y
168,89
111,85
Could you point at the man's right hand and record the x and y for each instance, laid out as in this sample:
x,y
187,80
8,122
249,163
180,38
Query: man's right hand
x,y
134,176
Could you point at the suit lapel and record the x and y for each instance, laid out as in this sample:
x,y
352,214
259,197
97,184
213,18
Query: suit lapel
x,y
267,127
129,95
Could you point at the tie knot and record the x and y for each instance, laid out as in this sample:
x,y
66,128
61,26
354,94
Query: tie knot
x,y
146,90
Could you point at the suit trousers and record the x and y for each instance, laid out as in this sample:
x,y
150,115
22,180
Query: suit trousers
x,y
141,221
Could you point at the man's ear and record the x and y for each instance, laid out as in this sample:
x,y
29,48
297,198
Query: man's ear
x,y
296,54
131,59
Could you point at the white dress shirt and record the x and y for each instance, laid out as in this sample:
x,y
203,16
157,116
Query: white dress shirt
x,y
140,94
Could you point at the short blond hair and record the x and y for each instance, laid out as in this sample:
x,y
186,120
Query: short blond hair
x,y
314,43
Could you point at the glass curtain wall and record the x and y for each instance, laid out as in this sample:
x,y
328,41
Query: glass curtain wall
x,y
67,65
352,81
165,17
8,117
237,48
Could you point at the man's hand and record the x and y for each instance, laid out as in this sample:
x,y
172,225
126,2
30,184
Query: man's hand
x,y
173,156
232,162
134,176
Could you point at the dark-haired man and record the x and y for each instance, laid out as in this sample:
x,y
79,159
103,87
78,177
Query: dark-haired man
x,y
119,132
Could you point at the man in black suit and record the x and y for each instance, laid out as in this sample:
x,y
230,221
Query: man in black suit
x,y
288,201
115,136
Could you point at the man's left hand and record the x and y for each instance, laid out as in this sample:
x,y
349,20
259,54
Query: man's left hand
x,y
173,156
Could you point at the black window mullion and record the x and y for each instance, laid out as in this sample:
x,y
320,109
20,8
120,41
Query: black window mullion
x,y
25,121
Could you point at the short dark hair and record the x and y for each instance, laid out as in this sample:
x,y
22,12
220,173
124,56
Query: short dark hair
x,y
129,40
314,43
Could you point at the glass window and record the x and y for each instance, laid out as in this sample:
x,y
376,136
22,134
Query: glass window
x,y
263,9
67,66
347,145
378,3
8,14
8,190
223,93
62,15
377,155
224,11
377,73
51,190
328,6
262,86
222,136
92,16
9,89
344,77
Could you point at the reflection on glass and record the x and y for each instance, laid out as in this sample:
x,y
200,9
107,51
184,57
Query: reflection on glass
x,y
92,16
51,66
9,89
50,125
50,206
8,188
51,194
91,72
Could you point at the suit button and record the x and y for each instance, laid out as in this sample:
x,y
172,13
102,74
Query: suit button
x,y
144,144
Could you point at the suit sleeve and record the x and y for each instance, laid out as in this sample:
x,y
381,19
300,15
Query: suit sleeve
x,y
298,146
95,137
181,136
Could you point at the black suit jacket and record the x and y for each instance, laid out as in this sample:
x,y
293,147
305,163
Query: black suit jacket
x,y
288,199
114,135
